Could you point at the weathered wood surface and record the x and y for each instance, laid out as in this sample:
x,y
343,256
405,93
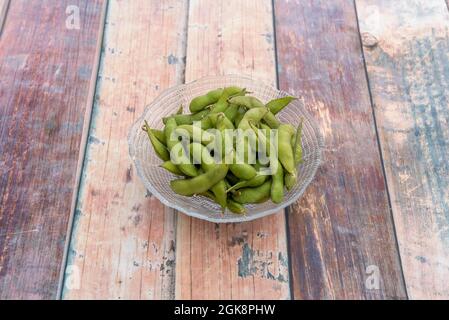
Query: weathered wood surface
x,y
406,47
238,261
45,72
342,225
123,242
3,9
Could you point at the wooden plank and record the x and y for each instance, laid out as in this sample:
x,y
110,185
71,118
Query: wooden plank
x,y
246,260
342,225
123,242
406,47
3,10
45,73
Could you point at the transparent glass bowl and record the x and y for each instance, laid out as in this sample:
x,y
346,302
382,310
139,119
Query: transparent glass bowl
x,y
156,179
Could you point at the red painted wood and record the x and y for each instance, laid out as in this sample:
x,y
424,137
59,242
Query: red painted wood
x,y
45,76
342,225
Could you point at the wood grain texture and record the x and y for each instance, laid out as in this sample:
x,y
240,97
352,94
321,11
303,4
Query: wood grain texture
x,y
342,225
406,47
3,10
123,240
232,261
45,72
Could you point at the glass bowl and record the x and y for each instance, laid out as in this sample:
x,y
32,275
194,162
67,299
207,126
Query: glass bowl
x,y
156,179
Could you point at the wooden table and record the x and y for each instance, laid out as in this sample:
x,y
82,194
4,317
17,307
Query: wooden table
x,y
76,222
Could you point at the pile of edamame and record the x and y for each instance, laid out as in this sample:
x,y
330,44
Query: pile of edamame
x,y
231,148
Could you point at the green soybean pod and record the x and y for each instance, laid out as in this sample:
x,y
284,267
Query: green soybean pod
x,y
247,101
242,171
171,167
251,103
232,178
178,157
209,195
290,180
238,118
277,185
231,112
254,182
285,150
297,147
195,133
235,207
187,118
252,115
159,148
253,195
201,155
201,183
276,105
201,102
222,104
159,134
271,120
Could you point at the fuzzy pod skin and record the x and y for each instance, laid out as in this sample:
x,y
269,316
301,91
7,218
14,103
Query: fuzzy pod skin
x,y
201,155
180,158
201,135
253,195
201,102
253,116
277,185
201,183
297,146
222,104
276,105
247,102
235,207
171,167
187,118
285,150
252,103
254,182
159,134
159,148
231,112
290,180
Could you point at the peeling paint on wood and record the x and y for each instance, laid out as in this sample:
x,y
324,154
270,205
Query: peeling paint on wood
x,y
342,225
409,77
43,100
123,242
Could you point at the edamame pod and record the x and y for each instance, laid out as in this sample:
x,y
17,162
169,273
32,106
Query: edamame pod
x,y
253,195
178,156
285,150
276,105
235,207
201,183
187,118
254,182
277,185
297,147
159,134
160,150
171,167
201,102
290,180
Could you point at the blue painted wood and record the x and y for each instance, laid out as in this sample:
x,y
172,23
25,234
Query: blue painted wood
x,y
406,47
